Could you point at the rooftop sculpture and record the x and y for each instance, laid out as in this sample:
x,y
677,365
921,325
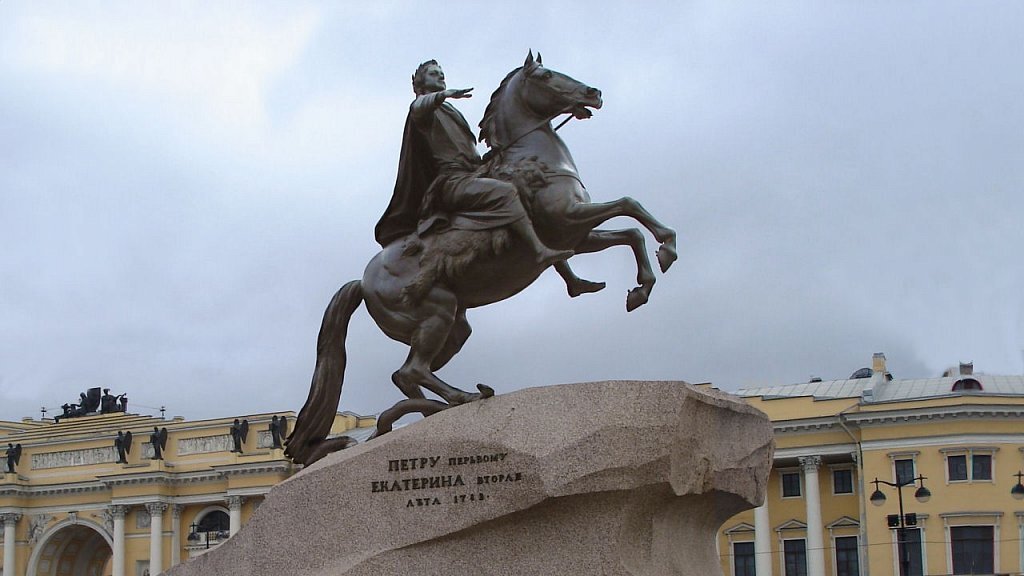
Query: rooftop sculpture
x,y
463,231
93,402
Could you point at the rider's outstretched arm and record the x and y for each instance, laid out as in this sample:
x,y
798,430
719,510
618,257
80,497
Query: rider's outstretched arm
x,y
426,103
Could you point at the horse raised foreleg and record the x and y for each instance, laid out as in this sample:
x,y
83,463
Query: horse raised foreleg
x,y
599,240
594,214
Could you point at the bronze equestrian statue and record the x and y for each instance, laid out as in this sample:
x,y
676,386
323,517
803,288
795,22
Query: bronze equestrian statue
x,y
462,232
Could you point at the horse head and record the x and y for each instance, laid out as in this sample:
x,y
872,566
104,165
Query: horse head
x,y
548,93
533,95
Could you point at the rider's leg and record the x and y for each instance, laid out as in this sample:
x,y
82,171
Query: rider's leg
x,y
543,255
573,283
493,203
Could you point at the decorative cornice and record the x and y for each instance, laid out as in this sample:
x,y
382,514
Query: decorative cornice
x,y
52,489
822,424
843,450
908,444
264,467
959,411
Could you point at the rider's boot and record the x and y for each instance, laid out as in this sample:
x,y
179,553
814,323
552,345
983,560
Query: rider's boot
x,y
542,254
574,284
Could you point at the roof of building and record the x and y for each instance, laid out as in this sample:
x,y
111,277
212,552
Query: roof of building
x,y
876,389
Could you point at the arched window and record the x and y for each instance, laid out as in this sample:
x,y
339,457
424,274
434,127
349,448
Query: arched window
x,y
966,384
216,521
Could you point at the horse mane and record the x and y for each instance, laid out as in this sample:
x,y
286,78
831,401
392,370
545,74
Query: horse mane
x,y
487,123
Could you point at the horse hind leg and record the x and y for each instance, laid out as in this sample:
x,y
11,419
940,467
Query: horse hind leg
x,y
457,337
430,345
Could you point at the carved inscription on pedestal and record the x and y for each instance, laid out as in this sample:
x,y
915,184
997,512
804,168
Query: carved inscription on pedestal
x,y
445,480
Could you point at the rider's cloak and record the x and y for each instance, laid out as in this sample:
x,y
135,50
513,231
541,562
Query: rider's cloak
x,y
440,182
416,172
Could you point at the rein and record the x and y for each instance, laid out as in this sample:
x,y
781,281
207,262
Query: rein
x,y
497,151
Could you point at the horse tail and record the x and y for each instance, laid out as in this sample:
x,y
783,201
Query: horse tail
x,y
316,417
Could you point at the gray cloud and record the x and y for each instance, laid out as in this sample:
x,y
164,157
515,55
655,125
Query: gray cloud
x,y
177,207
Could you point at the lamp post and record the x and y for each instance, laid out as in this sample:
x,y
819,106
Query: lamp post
x,y
904,520
1018,491
194,536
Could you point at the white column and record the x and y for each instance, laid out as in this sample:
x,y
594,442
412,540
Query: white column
x,y
235,508
815,543
118,513
10,524
176,534
762,540
156,544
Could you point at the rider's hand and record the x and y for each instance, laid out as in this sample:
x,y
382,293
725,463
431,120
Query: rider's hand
x,y
458,93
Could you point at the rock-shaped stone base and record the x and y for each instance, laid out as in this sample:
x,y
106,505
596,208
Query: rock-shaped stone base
x,y
608,478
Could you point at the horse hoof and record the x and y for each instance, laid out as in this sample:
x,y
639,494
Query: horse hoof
x,y
636,298
485,390
666,256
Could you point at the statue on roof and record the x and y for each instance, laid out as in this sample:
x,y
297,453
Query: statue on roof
x,y
123,445
239,432
13,457
158,439
462,232
278,431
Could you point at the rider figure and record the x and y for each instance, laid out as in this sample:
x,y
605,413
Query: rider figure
x,y
440,175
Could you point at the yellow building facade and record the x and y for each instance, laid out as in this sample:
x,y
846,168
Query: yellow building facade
x,y
960,437
70,508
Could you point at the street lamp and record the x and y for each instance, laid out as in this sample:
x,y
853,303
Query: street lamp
x,y
1018,490
194,535
902,521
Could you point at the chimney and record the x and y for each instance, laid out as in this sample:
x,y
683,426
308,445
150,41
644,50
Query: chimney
x,y
878,364
966,368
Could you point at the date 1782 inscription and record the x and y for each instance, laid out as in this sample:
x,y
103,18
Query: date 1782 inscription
x,y
450,480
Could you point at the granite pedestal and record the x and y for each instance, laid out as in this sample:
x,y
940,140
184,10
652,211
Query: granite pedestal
x,y
604,478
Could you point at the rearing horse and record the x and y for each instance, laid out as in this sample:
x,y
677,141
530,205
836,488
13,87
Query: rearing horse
x,y
417,289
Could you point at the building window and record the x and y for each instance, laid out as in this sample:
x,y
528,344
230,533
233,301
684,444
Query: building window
x,y
981,466
215,521
969,467
957,466
904,470
972,549
795,556
842,481
790,484
743,559
847,561
909,552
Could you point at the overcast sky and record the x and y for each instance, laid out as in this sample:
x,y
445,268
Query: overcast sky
x,y
183,186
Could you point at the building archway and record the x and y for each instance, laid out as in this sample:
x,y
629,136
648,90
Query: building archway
x,y
72,548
